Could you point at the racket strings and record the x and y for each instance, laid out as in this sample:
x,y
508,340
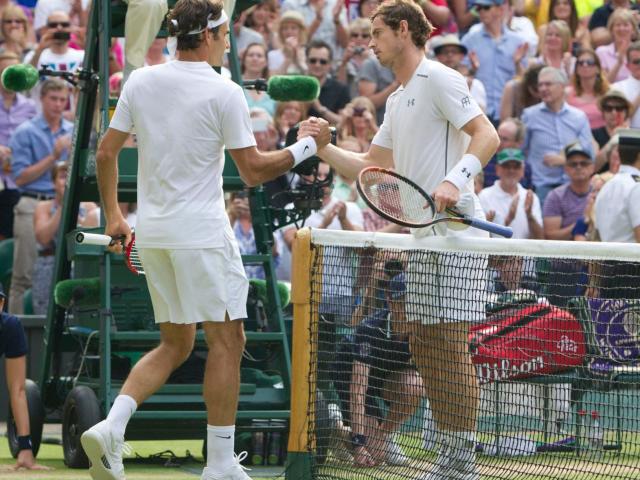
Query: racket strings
x,y
133,259
396,198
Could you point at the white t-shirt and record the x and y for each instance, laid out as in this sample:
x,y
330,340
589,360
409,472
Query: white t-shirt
x,y
422,125
618,206
631,89
66,62
496,199
184,114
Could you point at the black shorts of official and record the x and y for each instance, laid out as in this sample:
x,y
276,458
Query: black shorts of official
x,y
13,341
385,357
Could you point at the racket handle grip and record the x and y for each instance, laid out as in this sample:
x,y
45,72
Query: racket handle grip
x,y
491,227
93,239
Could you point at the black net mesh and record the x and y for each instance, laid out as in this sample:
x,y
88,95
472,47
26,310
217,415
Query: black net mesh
x,y
432,365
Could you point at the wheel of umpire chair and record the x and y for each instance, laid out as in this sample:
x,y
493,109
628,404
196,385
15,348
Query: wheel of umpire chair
x,y
81,411
36,420
322,427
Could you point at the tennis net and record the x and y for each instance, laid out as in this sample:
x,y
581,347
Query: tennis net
x,y
465,358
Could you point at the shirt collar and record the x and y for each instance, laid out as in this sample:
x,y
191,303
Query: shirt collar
x,y
65,125
629,169
563,109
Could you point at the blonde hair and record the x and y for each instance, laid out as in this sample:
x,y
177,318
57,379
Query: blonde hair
x,y
291,16
623,15
565,33
359,25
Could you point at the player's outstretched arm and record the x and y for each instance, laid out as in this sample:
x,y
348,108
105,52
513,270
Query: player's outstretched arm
x,y
348,164
256,167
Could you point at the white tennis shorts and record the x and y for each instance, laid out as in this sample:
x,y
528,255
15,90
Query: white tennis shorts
x,y
447,287
196,285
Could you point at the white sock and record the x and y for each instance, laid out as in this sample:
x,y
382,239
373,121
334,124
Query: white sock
x,y
122,410
220,443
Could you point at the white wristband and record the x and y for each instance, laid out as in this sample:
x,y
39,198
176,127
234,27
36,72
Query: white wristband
x,y
467,168
301,150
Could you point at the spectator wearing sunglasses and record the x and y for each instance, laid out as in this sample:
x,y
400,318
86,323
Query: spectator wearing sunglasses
x,y
53,50
615,109
355,54
15,31
334,95
588,84
630,86
499,52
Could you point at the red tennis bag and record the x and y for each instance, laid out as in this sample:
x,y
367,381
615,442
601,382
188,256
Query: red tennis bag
x,y
524,341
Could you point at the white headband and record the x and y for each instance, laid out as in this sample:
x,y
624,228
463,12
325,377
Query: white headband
x,y
211,24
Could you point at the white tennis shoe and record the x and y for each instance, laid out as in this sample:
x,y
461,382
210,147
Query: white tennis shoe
x,y
105,452
456,459
393,453
235,472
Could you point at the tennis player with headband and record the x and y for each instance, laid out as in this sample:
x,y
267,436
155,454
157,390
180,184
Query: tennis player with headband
x,y
435,134
184,115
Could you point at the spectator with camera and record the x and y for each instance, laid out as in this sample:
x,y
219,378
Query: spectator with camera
x,y
334,95
358,120
355,54
53,50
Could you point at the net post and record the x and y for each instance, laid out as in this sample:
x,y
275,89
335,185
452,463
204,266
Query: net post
x,y
299,447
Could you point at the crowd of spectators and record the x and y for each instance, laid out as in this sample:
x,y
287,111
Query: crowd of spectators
x,y
548,73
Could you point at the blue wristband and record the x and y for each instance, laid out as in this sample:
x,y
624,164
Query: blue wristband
x,y
24,443
580,227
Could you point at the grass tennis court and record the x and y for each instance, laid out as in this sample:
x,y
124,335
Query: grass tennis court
x,y
51,456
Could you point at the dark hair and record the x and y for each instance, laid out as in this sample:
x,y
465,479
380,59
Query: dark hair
x,y
319,44
265,70
529,79
573,18
188,15
628,153
601,85
392,12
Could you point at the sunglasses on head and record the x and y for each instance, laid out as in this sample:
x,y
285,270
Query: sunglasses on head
x,y
321,61
587,62
617,108
59,24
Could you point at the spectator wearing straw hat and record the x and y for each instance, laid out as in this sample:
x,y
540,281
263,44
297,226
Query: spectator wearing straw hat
x,y
507,202
290,57
451,52
615,109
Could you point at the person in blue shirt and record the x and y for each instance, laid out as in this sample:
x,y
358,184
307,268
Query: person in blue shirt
x,y
374,362
499,52
13,346
36,146
551,126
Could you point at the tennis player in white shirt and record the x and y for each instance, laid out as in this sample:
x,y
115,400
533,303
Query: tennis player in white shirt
x,y
435,134
185,115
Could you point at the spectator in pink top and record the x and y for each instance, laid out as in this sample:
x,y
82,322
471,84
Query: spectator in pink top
x,y
613,56
588,84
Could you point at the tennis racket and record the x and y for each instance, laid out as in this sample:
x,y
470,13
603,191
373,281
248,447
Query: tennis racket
x,y
131,257
401,201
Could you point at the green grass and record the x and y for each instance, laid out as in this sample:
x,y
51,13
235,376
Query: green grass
x,y
51,456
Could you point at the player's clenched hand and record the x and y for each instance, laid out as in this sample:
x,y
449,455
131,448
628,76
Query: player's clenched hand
x,y
446,195
118,228
318,128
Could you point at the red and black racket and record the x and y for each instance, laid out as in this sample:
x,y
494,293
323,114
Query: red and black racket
x,y
131,257
403,202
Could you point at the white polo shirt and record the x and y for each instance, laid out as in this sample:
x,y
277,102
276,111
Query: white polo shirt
x,y
496,199
422,125
184,114
618,206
